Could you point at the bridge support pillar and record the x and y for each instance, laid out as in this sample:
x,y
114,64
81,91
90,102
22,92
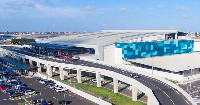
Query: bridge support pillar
x,y
98,75
39,67
115,85
61,73
54,69
49,71
134,93
79,76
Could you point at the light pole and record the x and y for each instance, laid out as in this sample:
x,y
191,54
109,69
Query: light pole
x,y
152,64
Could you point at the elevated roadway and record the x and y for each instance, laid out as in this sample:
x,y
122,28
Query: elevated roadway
x,y
165,94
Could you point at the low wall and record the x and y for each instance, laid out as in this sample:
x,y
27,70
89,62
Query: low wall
x,y
76,91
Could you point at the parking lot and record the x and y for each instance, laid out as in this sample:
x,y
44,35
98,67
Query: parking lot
x,y
43,92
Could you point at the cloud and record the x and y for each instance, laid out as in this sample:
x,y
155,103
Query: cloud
x,y
45,12
182,8
161,5
151,8
18,4
88,8
123,10
184,16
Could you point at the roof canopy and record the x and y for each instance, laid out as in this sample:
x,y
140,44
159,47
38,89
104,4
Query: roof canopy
x,y
48,45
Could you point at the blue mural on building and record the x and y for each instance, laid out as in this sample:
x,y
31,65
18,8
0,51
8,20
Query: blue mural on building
x,y
157,48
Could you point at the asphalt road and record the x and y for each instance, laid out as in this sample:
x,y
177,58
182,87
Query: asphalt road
x,y
164,93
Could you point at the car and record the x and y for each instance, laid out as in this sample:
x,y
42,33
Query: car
x,y
61,89
69,56
29,92
61,55
135,75
57,87
74,58
34,102
9,92
63,102
94,81
51,85
56,55
16,94
3,87
42,81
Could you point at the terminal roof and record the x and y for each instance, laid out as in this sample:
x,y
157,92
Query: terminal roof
x,y
106,37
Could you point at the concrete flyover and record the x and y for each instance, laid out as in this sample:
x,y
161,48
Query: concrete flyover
x,y
163,92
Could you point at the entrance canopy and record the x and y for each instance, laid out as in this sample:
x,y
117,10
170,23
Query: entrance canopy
x,y
48,45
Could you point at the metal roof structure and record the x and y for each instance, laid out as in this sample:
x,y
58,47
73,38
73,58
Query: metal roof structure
x,y
106,37
175,63
48,45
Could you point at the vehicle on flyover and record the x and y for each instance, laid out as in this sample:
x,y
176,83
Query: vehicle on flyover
x,y
134,75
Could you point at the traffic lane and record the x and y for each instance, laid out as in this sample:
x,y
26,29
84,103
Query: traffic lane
x,y
87,64
176,97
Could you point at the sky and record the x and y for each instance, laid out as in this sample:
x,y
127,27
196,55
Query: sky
x,y
98,15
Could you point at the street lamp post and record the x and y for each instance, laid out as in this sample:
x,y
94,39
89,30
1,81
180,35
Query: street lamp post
x,y
152,65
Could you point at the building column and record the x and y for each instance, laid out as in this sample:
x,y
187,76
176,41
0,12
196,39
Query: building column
x,y
49,71
115,85
134,93
39,67
31,62
98,75
79,76
24,60
61,73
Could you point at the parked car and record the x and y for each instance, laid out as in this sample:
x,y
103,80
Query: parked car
x,y
51,85
3,87
135,75
61,89
63,102
30,92
74,58
16,94
69,56
61,55
94,81
42,81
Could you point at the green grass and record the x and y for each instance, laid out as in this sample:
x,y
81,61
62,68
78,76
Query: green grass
x,y
175,82
115,99
24,96
24,103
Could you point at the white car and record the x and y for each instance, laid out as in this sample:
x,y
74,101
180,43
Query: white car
x,y
75,58
42,81
94,81
29,92
61,89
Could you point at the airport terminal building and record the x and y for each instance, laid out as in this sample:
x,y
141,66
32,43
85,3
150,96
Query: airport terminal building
x,y
141,48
